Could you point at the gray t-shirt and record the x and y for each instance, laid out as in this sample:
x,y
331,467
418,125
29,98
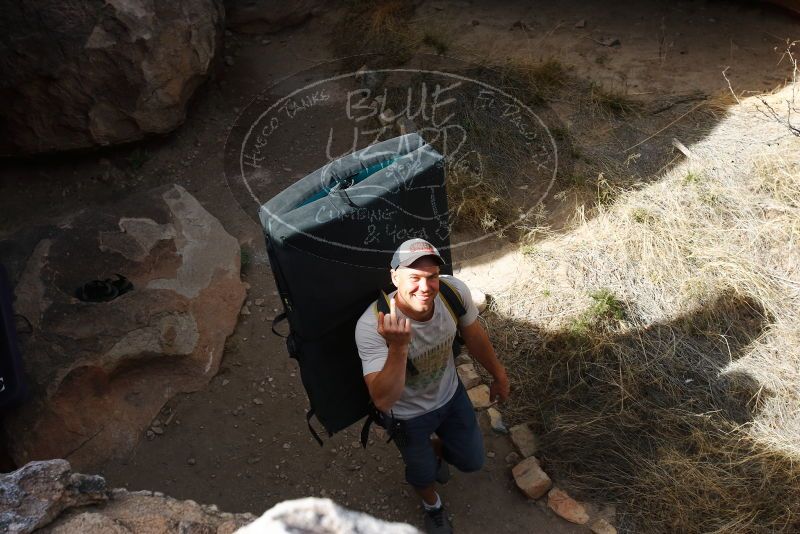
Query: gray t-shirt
x,y
431,350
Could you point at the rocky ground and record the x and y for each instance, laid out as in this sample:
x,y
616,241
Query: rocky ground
x,y
241,443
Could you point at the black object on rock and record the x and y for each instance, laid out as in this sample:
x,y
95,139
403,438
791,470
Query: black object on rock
x,y
103,290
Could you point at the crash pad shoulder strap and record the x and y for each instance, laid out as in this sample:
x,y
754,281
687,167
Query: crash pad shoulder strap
x,y
452,298
382,304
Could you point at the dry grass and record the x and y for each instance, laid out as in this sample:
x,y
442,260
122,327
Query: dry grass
x,y
475,202
608,118
376,27
612,100
656,347
534,82
492,197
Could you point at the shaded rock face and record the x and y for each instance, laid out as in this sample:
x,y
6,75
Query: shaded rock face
x,y
100,372
34,495
269,16
83,73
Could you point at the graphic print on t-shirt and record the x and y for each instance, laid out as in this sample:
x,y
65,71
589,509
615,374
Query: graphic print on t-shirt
x,y
430,364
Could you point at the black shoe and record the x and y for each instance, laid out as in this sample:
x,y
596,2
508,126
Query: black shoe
x,y
442,472
436,522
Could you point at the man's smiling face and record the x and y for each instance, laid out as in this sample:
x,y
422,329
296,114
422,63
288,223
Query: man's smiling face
x,y
417,287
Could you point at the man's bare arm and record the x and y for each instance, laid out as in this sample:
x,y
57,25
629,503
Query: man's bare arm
x,y
386,386
481,349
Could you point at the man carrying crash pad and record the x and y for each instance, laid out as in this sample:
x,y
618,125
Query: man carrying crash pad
x,y
406,350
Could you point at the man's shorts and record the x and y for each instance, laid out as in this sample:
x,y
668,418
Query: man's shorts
x,y
456,426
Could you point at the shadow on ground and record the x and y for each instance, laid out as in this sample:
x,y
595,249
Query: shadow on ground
x,y
651,419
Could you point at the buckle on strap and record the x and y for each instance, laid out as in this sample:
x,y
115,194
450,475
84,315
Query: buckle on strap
x,y
309,415
276,321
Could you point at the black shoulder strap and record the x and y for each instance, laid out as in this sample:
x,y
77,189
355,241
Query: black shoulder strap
x,y
455,305
452,299
382,304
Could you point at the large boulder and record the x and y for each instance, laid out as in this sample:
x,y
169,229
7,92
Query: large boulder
x,y
83,73
100,372
34,495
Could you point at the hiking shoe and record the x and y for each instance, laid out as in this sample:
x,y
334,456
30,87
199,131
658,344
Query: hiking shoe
x,y
442,472
436,522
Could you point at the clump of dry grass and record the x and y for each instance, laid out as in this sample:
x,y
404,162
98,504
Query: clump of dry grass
x,y
613,100
656,348
534,82
489,178
475,202
382,27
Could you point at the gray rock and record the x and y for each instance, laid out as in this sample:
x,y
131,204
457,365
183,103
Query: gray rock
x,y
530,478
479,396
479,298
609,41
82,74
463,358
565,506
469,377
524,440
101,372
34,495
496,421
602,526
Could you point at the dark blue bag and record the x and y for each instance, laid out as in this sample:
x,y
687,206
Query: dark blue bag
x,y
12,375
330,238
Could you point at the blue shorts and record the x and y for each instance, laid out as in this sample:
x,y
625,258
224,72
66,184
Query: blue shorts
x,y
456,426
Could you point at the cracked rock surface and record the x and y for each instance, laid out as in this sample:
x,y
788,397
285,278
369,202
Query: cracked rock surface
x,y
100,372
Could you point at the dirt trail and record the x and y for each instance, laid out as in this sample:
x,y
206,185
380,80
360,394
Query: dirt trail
x,y
242,443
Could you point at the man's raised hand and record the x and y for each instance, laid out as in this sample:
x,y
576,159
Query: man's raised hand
x,y
395,330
